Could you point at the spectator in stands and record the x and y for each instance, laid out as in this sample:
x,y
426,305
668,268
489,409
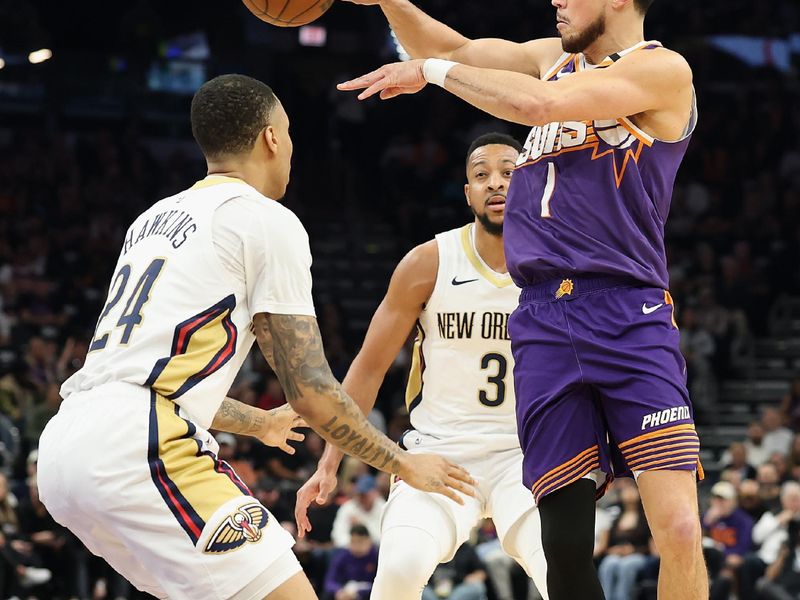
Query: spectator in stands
x,y
352,569
273,396
41,414
769,482
777,438
17,556
730,530
280,465
18,394
698,347
737,460
782,579
268,492
624,546
794,458
365,508
750,500
463,578
781,463
790,406
757,452
770,534
60,551
227,452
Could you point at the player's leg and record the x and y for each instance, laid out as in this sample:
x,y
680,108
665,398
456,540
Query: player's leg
x,y
560,433
670,502
207,536
524,543
282,580
568,541
67,488
407,558
297,587
515,516
418,532
159,491
634,360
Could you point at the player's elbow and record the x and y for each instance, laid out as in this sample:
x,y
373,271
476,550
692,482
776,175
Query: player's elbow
x,y
318,386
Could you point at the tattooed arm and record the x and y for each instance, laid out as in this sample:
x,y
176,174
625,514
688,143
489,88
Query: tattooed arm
x,y
237,417
295,345
273,427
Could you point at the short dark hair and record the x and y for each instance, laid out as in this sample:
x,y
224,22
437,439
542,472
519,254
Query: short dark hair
x,y
643,5
359,529
228,112
493,138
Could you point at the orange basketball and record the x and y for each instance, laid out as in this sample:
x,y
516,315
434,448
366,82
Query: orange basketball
x,y
288,13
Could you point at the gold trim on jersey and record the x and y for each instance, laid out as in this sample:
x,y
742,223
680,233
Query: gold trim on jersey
x,y
193,483
414,386
492,277
212,180
201,346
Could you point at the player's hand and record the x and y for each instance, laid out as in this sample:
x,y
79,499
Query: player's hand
x,y
432,473
321,485
389,81
279,428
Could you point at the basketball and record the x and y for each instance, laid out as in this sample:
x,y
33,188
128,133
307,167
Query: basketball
x,y
288,13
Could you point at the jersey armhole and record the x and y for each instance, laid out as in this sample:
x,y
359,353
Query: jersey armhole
x,y
440,240
562,61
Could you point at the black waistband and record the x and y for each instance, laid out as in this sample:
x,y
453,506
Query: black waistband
x,y
572,287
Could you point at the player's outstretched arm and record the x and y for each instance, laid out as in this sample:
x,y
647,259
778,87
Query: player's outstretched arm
x,y
653,80
272,427
422,36
295,344
410,288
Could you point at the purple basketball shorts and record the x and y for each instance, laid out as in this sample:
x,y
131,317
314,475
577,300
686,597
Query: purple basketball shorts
x,y
600,383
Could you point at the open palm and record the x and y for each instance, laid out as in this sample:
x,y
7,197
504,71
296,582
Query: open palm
x,y
279,428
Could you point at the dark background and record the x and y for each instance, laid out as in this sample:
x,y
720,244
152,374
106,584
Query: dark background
x,y
88,141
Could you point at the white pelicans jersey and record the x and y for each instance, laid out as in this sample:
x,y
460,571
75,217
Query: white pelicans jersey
x,y
177,320
460,383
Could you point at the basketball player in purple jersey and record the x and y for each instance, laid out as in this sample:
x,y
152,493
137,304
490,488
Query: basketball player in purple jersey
x,y
600,381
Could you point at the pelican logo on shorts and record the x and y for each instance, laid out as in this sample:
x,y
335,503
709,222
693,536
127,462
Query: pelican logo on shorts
x,y
243,526
565,289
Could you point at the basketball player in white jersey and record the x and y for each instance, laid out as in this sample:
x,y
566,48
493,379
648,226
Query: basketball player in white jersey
x,y
460,395
128,464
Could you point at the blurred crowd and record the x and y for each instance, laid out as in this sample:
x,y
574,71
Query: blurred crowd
x,y
68,193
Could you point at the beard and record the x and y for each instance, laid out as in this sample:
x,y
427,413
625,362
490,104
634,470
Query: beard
x,y
580,41
490,226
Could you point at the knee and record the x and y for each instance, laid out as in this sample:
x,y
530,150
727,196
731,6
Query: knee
x,y
680,534
403,565
566,544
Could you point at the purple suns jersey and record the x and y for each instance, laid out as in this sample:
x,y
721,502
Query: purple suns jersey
x,y
592,197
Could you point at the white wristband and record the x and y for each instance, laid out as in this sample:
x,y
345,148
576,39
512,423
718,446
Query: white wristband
x,y
435,70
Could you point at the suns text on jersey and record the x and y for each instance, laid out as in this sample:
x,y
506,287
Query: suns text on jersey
x,y
551,138
462,325
175,225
